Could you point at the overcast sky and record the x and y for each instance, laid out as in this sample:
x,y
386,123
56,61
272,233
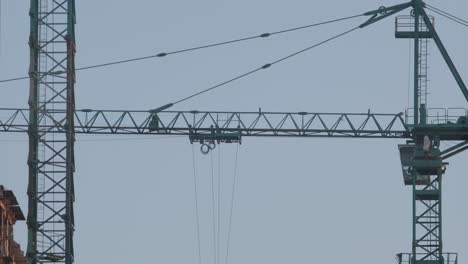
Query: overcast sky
x,y
297,200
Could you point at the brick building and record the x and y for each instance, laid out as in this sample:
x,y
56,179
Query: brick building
x,y
10,212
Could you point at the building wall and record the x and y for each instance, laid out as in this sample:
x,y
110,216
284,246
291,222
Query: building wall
x,y
10,251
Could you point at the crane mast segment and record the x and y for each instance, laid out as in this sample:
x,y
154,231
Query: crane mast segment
x,y
52,121
51,162
421,158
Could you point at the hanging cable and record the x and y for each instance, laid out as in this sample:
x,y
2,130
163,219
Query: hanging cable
x,y
266,66
214,208
164,54
196,205
233,191
219,199
448,15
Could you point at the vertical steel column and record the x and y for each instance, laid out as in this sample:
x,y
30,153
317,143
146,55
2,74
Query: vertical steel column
x,y
413,243
427,221
51,159
416,63
427,170
70,130
415,122
33,134
427,174
443,51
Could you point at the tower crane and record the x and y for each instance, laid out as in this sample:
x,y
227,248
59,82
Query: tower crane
x,y
51,122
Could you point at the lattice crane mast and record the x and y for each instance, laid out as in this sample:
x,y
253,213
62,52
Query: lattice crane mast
x,y
52,122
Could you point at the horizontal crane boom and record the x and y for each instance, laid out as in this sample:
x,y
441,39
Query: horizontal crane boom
x,y
215,125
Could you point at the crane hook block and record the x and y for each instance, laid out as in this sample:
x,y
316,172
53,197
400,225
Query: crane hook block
x,y
205,149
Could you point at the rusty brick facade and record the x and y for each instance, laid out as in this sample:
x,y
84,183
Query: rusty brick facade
x,y
10,212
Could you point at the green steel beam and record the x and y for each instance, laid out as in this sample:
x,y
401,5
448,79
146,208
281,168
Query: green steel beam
x,y
51,158
416,67
205,123
33,135
383,12
419,8
454,148
427,169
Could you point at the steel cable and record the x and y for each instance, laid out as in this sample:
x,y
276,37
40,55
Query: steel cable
x,y
263,35
196,205
213,207
219,199
233,191
448,15
266,66
164,54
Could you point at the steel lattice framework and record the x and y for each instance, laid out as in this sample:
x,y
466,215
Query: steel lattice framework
x,y
51,161
52,121
427,219
205,123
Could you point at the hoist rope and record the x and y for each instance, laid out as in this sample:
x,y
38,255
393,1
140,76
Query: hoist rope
x,y
219,200
233,191
213,207
196,205
164,54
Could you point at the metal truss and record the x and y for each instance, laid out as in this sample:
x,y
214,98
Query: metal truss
x,y
407,258
51,162
51,123
427,220
423,167
199,123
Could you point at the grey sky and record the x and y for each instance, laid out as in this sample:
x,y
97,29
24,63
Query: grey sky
x,y
297,200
